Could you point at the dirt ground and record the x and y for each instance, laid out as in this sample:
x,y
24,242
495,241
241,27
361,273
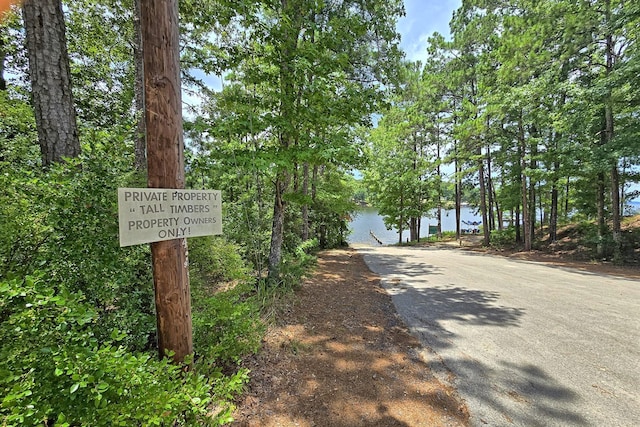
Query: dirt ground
x,y
340,356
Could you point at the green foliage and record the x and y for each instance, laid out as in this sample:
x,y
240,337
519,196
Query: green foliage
x,y
296,265
72,343
22,231
55,369
503,238
100,42
83,253
226,325
215,259
403,176
225,316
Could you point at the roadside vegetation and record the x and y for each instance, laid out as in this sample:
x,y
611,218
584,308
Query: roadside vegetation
x,y
300,83
77,321
530,113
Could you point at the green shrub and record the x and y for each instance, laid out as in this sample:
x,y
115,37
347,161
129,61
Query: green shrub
x,y
54,369
226,326
83,254
298,264
503,238
215,259
77,347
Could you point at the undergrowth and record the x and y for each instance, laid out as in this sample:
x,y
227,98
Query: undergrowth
x,y
77,320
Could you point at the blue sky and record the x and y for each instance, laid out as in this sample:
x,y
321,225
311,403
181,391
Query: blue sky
x,y
423,18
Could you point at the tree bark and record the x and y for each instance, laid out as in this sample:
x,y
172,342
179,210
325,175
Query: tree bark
x,y
163,117
533,196
458,191
567,187
601,222
277,226
439,172
50,80
555,182
615,215
526,220
483,197
518,224
140,148
553,218
609,133
457,178
305,205
490,214
401,220
287,137
3,57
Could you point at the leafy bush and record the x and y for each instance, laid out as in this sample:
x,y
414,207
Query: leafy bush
x,y
54,369
502,238
299,263
77,348
226,323
23,230
226,326
215,259
83,252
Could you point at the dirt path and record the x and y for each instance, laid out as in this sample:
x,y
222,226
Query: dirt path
x,y
340,356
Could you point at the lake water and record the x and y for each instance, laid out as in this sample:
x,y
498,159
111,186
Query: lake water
x,y
368,219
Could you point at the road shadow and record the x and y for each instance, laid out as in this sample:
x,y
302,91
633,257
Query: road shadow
x,y
502,394
522,395
386,262
434,307
514,395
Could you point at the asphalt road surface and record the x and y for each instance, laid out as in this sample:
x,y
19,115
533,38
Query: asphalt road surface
x,y
524,343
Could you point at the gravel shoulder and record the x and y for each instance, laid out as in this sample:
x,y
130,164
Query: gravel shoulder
x,y
340,356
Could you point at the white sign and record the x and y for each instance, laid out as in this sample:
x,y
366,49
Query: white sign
x,y
153,214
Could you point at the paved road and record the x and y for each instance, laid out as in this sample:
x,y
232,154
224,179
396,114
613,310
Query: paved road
x,y
525,344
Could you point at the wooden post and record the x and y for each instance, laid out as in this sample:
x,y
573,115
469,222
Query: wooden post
x,y
165,165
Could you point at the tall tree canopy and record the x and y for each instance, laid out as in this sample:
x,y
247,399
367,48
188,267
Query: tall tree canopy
x,y
539,111
301,76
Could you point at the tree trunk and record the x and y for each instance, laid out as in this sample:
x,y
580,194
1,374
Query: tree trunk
x,y
555,180
609,133
499,210
601,221
413,229
3,57
401,221
526,220
288,97
439,172
553,218
490,215
567,187
50,80
305,205
483,197
457,178
615,215
458,191
277,227
518,224
163,117
140,148
533,199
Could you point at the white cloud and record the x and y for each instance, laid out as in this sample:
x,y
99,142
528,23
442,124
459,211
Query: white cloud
x,y
423,18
